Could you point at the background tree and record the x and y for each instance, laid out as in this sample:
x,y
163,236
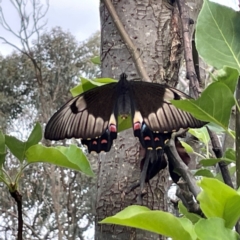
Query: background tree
x,y
35,80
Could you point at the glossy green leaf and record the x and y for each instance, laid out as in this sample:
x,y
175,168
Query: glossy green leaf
x,y
219,200
204,173
105,80
228,157
212,161
191,216
229,77
75,91
217,35
87,84
214,229
76,156
2,158
2,142
35,136
68,157
16,147
215,128
201,134
230,154
96,60
207,107
187,147
2,149
154,221
232,132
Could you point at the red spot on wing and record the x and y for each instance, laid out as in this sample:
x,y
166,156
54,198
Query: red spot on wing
x,y
137,126
156,139
103,141
112,128
147,138
94,142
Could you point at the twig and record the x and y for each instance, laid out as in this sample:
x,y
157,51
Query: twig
x,y
129,44
218,153
191,73
18,198
180,166
187,198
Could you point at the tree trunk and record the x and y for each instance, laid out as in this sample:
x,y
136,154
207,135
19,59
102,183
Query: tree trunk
x,y
155,29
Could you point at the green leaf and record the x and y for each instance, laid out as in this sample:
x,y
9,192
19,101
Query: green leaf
x,y
201,134
154,221
16,147
75,91
2,142
228,157
215,128
207,107
105,80
76,156
204,173
35,136
213,161
218,34
2,158
230,154
68,157
187,147
229,77
87,84
219,200
212,229
191,216
96,60
2,149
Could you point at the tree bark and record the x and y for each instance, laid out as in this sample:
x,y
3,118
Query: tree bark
x,y
154,27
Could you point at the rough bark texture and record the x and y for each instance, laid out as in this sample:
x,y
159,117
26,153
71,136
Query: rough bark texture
x,y
154,27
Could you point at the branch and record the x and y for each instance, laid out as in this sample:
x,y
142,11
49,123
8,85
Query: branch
x,y
133,51
187,198
191,73
217,149
180,166
18,198
5,25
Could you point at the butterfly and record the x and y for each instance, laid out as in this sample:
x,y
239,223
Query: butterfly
x,y
93,115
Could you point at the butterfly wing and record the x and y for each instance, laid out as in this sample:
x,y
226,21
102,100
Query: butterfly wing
x,y
154,117
90,116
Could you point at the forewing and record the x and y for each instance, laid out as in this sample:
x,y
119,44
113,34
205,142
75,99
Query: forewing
x,y
85,116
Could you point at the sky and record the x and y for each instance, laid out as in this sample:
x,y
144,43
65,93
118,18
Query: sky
x,y
80,17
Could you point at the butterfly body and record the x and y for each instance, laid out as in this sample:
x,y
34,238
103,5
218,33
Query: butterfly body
x,y
92,116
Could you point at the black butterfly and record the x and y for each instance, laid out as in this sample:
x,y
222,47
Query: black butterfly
x,y
92,116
